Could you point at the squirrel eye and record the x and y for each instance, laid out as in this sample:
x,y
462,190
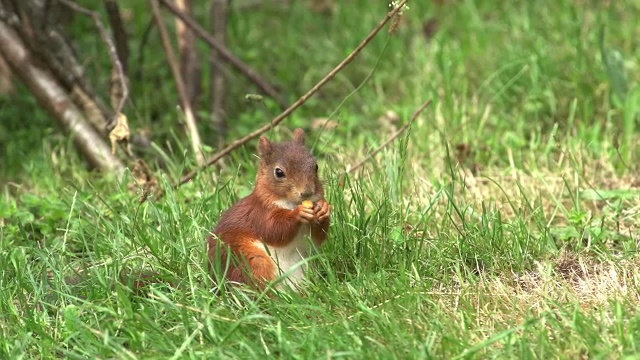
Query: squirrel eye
x,y
279,173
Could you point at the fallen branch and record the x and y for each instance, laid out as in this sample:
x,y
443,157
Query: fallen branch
x,y
113,54
52,96
182,92
225,54
390,139
236,144
42,26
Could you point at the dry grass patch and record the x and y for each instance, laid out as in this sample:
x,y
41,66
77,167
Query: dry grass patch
x,y
566,196
575,279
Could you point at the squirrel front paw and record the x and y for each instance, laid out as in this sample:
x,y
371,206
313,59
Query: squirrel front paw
x,y
304,214
322,210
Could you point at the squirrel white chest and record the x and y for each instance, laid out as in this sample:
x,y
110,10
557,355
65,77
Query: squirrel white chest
x,y
289,259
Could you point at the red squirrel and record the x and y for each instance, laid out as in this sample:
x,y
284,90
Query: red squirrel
x,y
267,232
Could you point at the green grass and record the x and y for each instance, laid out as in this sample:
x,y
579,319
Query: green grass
x,y
503,225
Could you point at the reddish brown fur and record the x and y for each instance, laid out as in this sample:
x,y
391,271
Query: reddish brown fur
x,y
258,218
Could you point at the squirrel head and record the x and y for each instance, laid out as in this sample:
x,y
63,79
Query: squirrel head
x,y
288,172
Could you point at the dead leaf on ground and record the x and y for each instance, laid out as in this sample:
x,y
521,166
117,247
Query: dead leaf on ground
x,y
120,133
570,268
465,154
143,180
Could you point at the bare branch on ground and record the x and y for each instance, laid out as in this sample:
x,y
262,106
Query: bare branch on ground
x,y
56,100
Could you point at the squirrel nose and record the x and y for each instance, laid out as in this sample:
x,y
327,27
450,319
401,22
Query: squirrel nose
x,y
306,193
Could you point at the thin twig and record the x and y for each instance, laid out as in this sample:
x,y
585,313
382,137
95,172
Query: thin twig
x,y
278,119
120,37
122,49
112,53
171,58
225,54
391,139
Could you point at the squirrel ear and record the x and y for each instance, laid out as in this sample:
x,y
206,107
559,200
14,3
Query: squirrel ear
x,y
298,136
264,148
